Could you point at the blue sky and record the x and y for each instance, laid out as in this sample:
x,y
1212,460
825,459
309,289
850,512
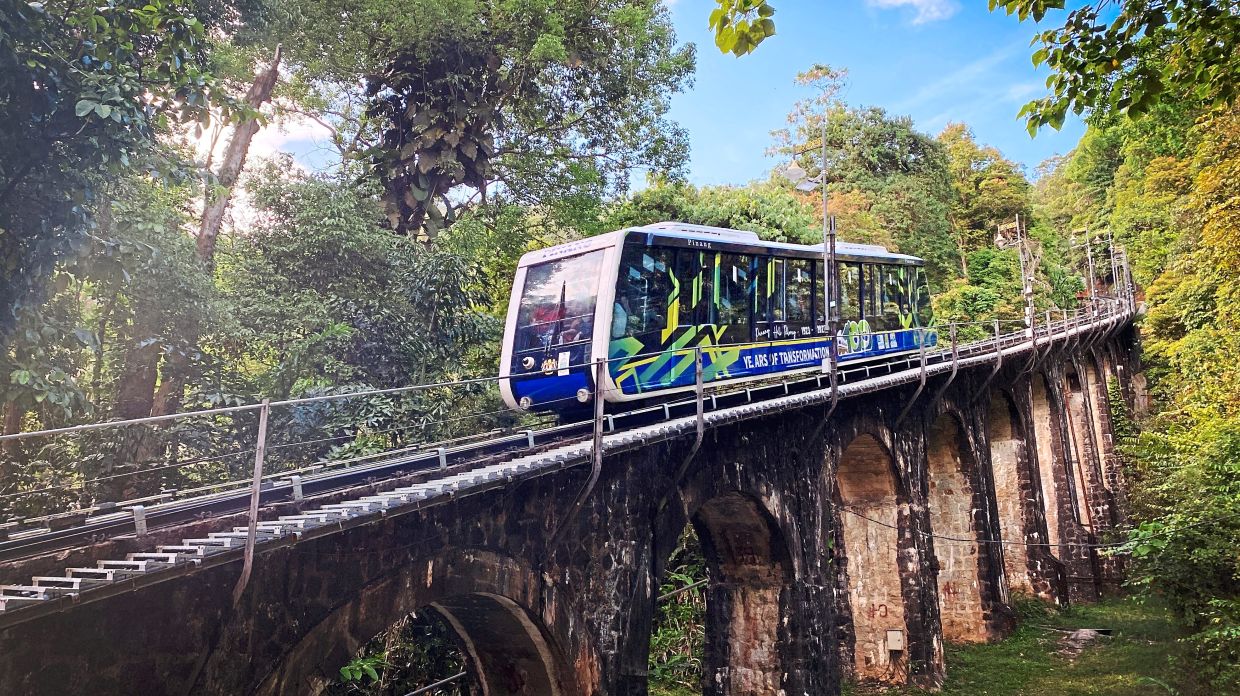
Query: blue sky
x,y
937,61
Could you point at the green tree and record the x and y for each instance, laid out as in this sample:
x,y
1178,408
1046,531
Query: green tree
x,y
740,25
1127,58
771,210
989,189
464,100
88,88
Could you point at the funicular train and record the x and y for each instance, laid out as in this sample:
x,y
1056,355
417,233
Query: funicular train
x,y
648,297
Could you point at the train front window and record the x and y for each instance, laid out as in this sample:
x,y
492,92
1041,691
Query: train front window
x,y
557,302
895,295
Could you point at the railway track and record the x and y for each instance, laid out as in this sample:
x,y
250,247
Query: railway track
x,y
500,460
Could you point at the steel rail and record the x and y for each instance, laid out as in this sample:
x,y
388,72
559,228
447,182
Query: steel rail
x,y
184,510
736,406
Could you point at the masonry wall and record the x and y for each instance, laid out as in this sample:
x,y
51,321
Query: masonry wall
x,y
871,522
1006,455
952,515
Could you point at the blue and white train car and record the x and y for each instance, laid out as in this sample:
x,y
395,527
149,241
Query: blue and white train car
x,y
647,297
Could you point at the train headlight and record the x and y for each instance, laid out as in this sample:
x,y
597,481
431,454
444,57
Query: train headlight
x,y
527,362
525,402
583,395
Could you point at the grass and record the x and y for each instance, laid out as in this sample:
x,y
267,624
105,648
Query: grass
x,y
1137,660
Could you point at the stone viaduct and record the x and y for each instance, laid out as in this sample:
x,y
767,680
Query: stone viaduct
x,y
853,546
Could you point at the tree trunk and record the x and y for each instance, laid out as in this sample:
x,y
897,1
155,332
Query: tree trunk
x,y
13,415
168,398
234,161
136,392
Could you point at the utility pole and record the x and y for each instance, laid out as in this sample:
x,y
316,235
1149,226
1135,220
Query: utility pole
x,y
1002,241
831,309
1090,269
1089,258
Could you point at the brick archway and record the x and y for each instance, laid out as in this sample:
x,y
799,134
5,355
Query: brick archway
x,y
1058,512
872,519
750,577
1013,486
486,598
955,521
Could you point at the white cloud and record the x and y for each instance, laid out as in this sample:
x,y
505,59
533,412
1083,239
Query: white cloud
x,y
297,135
978,75
926,10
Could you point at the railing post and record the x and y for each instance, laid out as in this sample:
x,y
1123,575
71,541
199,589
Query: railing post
x,y
600,371
596,461
997,366
260,452
699,387
698,392
139,520
955,365
921,385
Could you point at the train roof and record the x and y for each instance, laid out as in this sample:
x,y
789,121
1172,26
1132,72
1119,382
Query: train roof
x,y
741,238
684,230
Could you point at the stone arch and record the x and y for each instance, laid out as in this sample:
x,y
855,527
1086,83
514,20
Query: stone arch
x,y
873,508
1079,442
1010,472
956,524
486,598
1044,431
1106,410
750,578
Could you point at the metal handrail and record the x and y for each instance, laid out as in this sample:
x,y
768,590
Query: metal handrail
x,y
1048,331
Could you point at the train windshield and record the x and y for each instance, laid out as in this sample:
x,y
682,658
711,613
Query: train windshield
x,y
557,303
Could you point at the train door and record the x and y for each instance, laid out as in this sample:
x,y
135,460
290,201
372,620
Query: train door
x,y
733,286
644,316
852,325
821,327
799,298
764,300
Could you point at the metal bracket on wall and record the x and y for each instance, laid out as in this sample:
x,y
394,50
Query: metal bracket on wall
x,y
955,367
921,383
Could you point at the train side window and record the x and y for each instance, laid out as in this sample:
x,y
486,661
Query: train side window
x,y
779,293
922,298
869,286
643,291
764,270
704,309
800,290
894,295
733,281
850,291
693,270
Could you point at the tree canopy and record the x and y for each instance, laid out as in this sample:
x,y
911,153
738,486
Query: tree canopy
x,y
536,102
88,88
1128,57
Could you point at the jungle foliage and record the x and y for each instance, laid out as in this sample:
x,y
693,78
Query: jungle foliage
x,y
1167,186
467,133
